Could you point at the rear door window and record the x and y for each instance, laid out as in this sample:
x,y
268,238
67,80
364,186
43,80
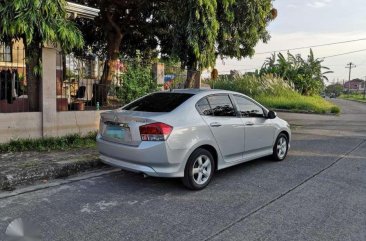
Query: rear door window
x,y
221,105
247,108
158,102
204,107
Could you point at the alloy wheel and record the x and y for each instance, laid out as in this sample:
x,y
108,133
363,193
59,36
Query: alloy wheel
x,y
281,147
202,169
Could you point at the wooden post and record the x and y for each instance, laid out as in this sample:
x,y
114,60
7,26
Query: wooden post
x,y
158,74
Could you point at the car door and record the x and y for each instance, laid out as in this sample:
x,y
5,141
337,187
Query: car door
x,y
225,124
259,130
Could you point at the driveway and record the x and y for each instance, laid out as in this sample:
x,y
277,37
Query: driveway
x,y
318,193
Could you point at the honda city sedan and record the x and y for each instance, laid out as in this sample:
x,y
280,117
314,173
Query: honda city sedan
x,y
190,134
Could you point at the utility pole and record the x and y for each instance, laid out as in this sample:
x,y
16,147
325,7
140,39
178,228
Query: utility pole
x,y
364,89
350,66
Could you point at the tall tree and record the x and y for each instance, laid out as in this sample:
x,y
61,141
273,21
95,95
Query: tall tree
x,y
189,33
122,27
205,29
194,31
37,22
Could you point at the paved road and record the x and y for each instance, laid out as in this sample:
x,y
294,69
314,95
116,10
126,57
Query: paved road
x,y
318,193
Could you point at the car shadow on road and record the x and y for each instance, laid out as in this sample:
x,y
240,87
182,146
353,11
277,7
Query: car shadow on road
x,y
137,181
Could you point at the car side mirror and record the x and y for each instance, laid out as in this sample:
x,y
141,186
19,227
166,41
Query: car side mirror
x,y
271,114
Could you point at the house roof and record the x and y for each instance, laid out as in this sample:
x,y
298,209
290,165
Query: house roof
x,y
77,10
356,81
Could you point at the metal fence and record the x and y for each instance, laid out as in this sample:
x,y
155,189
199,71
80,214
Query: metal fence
x,y
13,82
79,85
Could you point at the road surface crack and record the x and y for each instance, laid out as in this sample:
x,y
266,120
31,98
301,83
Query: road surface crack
x,y
285,193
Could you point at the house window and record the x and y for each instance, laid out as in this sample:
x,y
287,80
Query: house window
x,y
5,52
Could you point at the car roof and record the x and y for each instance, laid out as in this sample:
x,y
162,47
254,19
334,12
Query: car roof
x,y
201,91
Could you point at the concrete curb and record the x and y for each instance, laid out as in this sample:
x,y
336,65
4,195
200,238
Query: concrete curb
x,y
55,170
303,112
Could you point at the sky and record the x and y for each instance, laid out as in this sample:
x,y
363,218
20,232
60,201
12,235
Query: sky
x,y
302,23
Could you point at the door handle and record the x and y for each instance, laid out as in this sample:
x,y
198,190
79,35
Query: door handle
x,y
249,123
215,124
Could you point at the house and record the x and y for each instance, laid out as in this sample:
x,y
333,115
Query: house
x,y
355,85
66,81
12,77
16,121
12,54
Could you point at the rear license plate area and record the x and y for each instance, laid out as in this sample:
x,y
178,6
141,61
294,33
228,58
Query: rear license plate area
x,y
116,132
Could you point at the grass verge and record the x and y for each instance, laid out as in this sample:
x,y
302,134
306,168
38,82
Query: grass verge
x,y
298,103
69,142
276,93
357,97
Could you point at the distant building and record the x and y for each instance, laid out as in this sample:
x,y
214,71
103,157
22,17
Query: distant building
x,y
355,85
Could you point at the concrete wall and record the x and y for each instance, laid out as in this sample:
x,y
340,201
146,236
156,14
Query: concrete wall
x,y
49,122
20,125
82,122
29,124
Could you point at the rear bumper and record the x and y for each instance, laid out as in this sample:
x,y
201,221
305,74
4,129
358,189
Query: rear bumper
x,y
151,158
128,166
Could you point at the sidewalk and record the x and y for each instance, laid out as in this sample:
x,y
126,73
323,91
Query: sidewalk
x,y
20,168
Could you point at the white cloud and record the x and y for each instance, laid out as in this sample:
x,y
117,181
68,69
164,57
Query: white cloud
x,y
292,6
319,3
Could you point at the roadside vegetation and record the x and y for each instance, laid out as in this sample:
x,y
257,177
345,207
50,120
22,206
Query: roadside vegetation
x,y
74,141
334,90
353,96
285,82
276,93
136,81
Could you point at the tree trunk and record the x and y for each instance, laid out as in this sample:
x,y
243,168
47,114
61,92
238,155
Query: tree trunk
x,y
33,56
191,76
110,66
114,42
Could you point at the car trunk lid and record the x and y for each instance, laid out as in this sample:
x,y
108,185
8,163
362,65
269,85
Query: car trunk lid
x,y
122,126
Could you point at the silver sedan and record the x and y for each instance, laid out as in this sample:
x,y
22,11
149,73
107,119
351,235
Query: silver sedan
x,y
190,134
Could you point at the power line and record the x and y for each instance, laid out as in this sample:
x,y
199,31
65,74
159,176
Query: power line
x,y
352,52
313,46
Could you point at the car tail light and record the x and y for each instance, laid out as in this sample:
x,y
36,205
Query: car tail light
x,y
155,132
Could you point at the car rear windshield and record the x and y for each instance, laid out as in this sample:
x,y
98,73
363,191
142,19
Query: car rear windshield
x,y
159,102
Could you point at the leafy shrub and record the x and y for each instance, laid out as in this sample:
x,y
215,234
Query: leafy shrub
x,y
136,82
335,110
306,74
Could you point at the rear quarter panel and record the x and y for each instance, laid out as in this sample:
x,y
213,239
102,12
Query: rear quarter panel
x,y
189,130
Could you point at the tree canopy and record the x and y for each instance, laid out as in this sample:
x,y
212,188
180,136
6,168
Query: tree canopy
x,y
194,31
242,24
38,21
197,32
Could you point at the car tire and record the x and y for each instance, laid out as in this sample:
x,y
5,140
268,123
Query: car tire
x,y
199,169
280,148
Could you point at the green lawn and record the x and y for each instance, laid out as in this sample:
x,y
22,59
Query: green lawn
x,y
299,103
358,97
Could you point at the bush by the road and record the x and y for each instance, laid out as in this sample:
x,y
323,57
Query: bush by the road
x,y
275,93
73,141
